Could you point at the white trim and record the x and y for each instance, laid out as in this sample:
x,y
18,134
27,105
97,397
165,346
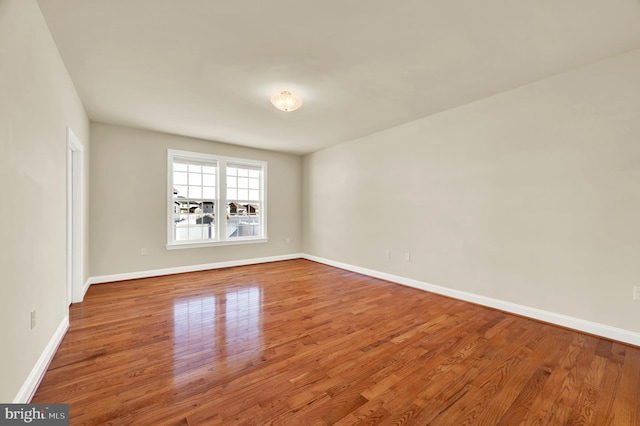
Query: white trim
x,y
30,385
37,373
263,199
191,268
75,196
239,240
85,287
590,327
602,330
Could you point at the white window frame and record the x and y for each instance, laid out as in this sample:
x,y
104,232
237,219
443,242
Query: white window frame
x,y
221,201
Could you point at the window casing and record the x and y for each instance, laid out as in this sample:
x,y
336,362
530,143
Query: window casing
x,y
215,200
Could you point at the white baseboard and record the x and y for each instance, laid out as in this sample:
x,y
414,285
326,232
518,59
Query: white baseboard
x,y
85,288
590,327
30,385
190,268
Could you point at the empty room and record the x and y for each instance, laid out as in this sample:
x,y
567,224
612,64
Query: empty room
x,y
318,213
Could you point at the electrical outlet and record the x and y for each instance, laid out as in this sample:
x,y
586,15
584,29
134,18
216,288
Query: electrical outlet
x,y
636,293
387,254
143,251
407,257
33,319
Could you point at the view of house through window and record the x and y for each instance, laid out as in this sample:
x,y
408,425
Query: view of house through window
x,y
243,201
194,200
215,199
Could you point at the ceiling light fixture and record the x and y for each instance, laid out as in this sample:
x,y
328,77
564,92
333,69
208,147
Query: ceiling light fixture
x,y
286,101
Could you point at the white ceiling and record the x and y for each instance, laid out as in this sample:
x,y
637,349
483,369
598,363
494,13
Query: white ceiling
x,y
206,68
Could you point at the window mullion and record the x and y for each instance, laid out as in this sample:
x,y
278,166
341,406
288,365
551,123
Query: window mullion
x,y
222,200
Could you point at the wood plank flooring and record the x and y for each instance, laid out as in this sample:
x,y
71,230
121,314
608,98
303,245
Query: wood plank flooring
x,y
300,343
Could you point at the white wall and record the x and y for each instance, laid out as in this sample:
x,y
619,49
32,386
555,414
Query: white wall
x,y
37,103
129,196
531,196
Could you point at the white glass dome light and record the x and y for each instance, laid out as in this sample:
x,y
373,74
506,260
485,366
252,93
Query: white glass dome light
x,y
286,101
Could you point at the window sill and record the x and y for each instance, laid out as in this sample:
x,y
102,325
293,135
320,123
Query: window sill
x,y
187,245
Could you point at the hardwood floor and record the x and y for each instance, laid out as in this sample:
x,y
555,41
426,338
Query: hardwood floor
x,y
300,343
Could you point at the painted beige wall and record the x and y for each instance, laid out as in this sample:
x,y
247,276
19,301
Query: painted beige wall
x,y
531,196
37,104
129,211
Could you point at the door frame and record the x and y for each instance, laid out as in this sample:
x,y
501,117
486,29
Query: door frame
x,y
75,231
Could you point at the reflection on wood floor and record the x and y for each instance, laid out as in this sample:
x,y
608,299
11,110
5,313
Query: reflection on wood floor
x,y
300,343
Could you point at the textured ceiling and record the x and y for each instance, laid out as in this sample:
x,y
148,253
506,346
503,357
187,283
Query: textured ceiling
x,y
206,68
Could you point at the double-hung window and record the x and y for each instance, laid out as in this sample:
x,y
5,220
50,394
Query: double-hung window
x,y
214,200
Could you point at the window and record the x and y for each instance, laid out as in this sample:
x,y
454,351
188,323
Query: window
x,y
215,200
